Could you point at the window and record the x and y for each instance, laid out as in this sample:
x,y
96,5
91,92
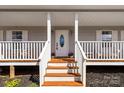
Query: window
x,y
17,36
106,35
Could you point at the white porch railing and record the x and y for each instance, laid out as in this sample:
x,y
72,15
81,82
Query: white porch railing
x,y
44,58
81,58
103,49
21,49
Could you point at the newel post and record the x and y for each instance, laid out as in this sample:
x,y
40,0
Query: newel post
x,y
76,34
49,32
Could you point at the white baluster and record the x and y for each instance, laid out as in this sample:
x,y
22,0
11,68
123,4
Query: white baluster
x,y
31,51
123,49
90,50
34,51
6,52
9,50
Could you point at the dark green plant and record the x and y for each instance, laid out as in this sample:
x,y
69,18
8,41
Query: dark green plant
x,y
33,85
12,83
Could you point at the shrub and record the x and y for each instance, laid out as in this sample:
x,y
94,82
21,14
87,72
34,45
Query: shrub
x,y
33,85
12,83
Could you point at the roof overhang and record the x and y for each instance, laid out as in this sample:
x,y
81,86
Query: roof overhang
x,y
35,15
62,8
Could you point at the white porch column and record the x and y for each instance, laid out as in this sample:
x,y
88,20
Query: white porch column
x,y
76,27
76,34
49,33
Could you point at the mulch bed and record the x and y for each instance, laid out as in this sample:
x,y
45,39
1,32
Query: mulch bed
x,y
23,73
97,76
108,76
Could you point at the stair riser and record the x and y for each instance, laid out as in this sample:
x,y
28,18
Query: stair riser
x,y
61,70
62,64
62,78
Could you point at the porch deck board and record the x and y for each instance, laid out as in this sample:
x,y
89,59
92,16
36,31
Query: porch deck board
x,y
106,60
18,60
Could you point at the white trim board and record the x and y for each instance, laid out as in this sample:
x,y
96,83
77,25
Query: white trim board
x,y
19,63
104,63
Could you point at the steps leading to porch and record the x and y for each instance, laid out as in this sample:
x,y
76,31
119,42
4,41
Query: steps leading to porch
x,y
59,83
62,72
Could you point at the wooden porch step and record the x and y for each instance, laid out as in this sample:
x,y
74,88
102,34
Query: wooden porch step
x,y
62,60
65,58
62,75
62,67
62,83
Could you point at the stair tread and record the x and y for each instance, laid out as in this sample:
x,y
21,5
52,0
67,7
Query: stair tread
x,y
62,83
56,60
62,67
65,58
62,60
62,74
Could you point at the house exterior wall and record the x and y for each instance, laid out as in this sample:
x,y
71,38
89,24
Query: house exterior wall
x,y
37,35
86,33
34,33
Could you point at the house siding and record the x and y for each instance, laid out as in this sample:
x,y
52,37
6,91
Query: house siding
x,y
87,35
37,35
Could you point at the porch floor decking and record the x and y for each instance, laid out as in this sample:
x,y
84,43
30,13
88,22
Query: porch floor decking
x,y
19,60
105,60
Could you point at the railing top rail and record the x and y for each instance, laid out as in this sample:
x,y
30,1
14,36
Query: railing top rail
x,y
21,41
83,54
101,41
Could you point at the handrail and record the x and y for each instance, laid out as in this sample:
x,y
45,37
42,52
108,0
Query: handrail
x,y
44,49
20,41
21,49
81,58
43,60
101,41
82,52
103,50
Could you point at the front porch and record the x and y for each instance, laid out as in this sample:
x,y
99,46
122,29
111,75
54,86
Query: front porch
x,y
85,35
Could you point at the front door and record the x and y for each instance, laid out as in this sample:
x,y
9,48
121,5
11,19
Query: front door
x,y
61,43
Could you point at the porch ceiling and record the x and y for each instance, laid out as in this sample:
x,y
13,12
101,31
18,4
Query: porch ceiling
x,y
62,18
